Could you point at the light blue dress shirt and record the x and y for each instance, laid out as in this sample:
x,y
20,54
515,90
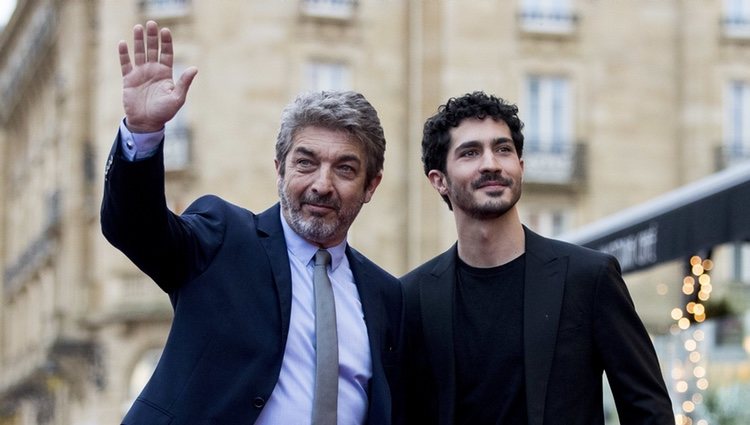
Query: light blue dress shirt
x,y
291,399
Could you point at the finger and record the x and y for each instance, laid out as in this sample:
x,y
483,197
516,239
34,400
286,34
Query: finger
x,y
152,41
139,51
167,55
183,84
125,65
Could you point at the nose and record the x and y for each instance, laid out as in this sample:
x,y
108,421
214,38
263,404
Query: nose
x,y
322,184
489,162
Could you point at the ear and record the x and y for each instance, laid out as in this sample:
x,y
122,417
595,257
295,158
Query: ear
x,y
437,180
371,186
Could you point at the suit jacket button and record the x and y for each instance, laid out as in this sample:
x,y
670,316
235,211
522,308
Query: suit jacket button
x,y
258,402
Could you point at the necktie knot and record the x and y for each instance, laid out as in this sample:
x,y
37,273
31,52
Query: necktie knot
x,y
322,258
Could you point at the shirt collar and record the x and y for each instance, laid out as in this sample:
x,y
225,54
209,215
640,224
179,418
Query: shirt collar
x,y
305,251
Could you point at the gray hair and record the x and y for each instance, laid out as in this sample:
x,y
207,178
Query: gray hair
x,y
346,111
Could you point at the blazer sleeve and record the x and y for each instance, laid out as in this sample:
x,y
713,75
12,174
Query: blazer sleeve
x,y
170,248
627,354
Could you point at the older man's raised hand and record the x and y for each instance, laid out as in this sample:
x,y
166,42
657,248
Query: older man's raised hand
x,y
149,94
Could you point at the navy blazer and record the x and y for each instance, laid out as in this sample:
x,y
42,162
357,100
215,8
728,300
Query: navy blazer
x,y
578,322
227,274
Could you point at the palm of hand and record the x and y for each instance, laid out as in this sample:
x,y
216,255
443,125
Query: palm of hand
x,y
149,96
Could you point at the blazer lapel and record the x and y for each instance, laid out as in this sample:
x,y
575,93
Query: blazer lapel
x,y
436,293
543,293
272,237
373,312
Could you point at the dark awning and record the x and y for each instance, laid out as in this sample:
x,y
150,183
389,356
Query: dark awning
x,y
695,217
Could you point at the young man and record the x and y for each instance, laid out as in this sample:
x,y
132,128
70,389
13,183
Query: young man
x,y
246,345
508,327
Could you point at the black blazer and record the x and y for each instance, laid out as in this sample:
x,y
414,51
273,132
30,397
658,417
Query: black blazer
x,y
578,322
227,274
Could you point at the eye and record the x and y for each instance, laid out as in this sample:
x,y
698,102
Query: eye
x,y
470,153
347,170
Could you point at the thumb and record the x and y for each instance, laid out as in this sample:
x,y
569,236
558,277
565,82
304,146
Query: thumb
x,y
186,79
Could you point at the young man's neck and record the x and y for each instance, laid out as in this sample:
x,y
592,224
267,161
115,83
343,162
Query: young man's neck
x,y
490,243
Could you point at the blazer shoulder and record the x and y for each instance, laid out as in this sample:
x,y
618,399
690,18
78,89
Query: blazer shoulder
x,y
435,266
364,264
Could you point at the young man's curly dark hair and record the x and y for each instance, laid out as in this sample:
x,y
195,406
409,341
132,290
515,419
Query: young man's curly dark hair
x,y
479,105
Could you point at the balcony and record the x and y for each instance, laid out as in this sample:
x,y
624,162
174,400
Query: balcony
x,y
549,22
329,9
736,27
727,156
560,165
132,298
158,9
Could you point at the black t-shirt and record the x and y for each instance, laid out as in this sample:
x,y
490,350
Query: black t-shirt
x,y
490,386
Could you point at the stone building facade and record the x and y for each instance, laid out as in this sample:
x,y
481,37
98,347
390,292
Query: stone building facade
x,y
623,101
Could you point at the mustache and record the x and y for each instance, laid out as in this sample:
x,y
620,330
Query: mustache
x,y
326,201
491,178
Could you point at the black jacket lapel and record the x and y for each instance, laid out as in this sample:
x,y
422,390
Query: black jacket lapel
x,y
543,293
272,237
436,292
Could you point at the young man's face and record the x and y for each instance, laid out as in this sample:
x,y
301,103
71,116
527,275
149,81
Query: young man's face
x,y
323,185
483,171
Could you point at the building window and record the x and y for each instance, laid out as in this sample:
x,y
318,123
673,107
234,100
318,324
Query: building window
x,y
332,9
549,120
549,152
165,8
736,20
550,222
736,146
327,75
547,16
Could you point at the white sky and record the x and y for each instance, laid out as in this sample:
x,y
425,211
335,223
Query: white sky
x,y
6,9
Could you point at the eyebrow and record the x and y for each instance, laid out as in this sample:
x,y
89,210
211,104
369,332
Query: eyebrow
x,y
343,158
475,143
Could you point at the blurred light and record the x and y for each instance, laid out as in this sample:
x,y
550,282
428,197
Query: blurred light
x,y
697,270
700,318
690,307
688,406
688,280
699,372
698,335
694,260
708,264
702,422
699,309
707,288
677,373
677,313
702,384
681,386
683,323
695,356
697,398
746,344
662,289
674,330
704,279
703,296
690,345
688,289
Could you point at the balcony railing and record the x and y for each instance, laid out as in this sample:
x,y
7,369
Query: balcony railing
x,y
548,22
165,8
737,27
330,9
727,156
556,165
